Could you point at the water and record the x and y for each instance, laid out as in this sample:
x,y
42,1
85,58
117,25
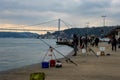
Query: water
x,y
15,53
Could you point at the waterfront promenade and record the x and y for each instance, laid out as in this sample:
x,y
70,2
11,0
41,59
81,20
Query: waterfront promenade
x,y
89,67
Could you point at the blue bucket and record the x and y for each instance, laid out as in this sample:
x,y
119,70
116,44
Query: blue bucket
x,y
45,64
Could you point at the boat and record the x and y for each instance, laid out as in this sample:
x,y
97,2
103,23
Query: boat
x,y
64,42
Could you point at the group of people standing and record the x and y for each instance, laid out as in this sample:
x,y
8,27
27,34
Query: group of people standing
x,y
83,42
114,42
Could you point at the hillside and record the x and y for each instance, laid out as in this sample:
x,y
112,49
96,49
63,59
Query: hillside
x,y
98,31
18,35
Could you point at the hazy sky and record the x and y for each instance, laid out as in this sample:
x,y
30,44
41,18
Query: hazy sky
x,y
75,12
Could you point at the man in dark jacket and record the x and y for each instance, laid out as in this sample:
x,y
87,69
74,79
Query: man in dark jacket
x,y
119,42
113,43
96,41
75,44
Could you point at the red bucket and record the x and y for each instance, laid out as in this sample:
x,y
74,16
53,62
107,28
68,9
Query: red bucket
x,y
52,63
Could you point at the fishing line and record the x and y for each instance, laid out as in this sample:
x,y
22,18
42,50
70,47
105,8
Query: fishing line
x,y
54,47
67,58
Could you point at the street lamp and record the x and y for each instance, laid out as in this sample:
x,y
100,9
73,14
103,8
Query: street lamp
x,y
87,26
103,32
103,20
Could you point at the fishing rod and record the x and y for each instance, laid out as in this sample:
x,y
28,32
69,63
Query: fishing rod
x,y
54,47
90,49
67,58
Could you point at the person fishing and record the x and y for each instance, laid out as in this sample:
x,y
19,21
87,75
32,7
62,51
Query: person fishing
x,y
96,41
113,43
118,42
75,44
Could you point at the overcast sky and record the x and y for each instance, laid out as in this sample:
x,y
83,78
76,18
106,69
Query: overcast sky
x,y
75,12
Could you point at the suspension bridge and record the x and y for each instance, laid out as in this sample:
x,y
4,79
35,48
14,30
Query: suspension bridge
x,y
48,26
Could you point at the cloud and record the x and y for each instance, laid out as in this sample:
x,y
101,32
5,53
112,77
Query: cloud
x,y
76,12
